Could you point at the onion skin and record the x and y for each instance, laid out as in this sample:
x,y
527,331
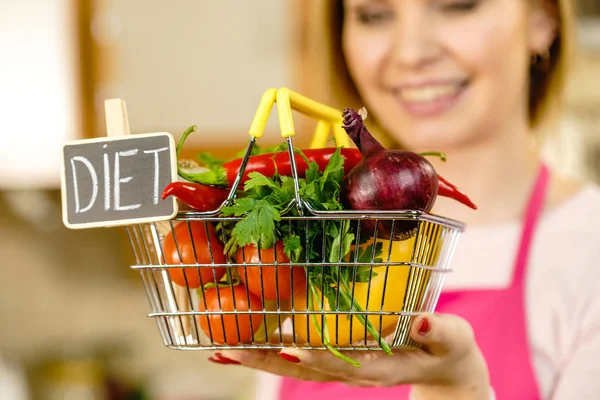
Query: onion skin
x,y
391,180
397,180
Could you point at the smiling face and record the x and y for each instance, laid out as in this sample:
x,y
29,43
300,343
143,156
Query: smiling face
x,y
440,74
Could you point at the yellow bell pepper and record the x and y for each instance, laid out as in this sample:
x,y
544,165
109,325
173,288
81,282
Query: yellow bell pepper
x,y
391,301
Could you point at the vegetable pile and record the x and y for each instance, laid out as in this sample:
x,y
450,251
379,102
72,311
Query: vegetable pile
x,y
321,268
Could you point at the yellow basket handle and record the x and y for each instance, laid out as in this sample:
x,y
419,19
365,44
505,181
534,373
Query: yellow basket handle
x,y
287,100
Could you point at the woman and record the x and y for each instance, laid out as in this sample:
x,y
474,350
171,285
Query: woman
x,y
476,79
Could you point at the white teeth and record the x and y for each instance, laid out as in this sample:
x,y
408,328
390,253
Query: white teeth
x,y
428,93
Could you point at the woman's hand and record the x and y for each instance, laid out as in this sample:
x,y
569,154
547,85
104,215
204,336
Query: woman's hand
x,y
449,366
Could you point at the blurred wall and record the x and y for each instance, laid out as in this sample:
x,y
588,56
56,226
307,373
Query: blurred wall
x,y
574,145
69,295
38,90
190,62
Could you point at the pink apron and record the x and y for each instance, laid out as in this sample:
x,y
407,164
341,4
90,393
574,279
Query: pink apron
x,y
498,319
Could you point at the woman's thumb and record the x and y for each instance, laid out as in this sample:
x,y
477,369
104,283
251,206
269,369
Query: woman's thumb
x,y
441,334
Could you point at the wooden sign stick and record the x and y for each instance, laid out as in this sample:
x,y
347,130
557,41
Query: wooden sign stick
x,y
117,124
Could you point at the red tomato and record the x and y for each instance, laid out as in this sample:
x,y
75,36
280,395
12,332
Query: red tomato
x,y
213,324
273,278
196,253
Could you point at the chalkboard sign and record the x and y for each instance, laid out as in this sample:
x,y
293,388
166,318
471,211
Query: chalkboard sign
x,y
118,180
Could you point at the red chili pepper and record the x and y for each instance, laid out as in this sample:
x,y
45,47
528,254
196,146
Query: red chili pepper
x,y
266,164
446,189
199,197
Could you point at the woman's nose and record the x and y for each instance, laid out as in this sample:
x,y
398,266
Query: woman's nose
x,y
414,44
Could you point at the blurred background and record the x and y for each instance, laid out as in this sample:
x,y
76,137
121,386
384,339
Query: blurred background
x,y
73,321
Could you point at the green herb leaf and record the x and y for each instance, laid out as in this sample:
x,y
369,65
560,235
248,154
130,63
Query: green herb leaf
x,y
258,180
366,253
335,168
292,247
258,227
241,206
364,273
312,173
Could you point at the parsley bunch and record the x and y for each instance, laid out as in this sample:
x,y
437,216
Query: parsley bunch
x,y
315,242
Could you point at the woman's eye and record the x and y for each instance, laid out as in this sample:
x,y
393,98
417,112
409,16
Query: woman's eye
x,y
369,17
459,6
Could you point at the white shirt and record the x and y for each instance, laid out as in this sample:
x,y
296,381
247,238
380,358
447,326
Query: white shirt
x,y
562,292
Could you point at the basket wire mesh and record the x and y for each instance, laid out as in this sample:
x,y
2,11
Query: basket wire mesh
x,y
400,278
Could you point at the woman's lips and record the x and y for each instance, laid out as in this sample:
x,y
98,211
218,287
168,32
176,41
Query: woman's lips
x,y
427,100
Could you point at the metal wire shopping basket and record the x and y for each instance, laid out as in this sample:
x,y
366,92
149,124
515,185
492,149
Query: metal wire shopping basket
x,y
381,285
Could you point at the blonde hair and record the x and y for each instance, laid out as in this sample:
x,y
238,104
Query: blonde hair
x,y
547,76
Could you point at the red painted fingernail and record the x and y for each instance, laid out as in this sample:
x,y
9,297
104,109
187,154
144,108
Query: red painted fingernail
x,y
227,360
215,360
219,359
424,327
289,357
